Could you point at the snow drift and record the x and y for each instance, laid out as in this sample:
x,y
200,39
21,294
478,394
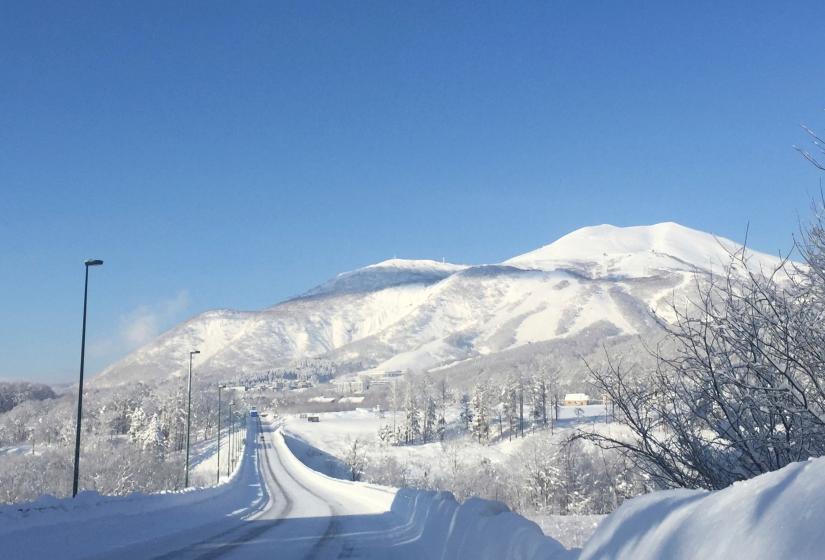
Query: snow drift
x,y
474,530
775,515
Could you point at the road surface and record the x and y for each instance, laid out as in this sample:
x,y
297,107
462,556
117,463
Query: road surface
x,y
307,516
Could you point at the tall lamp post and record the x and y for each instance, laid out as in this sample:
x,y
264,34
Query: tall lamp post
x,y
88,263
219,431
189,416
229,454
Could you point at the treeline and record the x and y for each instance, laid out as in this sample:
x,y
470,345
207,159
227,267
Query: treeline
x,y
419,408
133,440
314,370
13,393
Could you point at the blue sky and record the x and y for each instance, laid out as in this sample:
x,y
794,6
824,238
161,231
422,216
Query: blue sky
x,y
234,154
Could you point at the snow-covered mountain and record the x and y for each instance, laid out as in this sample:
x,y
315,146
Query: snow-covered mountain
x,y
593,286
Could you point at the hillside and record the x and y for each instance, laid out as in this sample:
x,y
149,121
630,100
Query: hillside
x,y
594,286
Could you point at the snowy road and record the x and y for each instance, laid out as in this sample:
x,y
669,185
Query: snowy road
x,y
308,515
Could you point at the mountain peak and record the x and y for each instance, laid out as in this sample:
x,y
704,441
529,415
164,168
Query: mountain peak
x,y
662,245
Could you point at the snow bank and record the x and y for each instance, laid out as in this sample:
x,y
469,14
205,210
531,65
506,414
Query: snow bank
x,y
775,515
476,529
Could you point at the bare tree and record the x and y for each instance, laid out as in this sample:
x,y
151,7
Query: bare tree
x,y
819,146
743,393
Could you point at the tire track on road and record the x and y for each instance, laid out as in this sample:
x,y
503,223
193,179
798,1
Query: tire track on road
x,y
250,534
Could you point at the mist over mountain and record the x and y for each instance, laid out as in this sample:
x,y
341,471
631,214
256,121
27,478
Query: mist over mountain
x,y
594,287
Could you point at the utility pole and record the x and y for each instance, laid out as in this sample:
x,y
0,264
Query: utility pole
x,y
88,263
521,406
189,417
219,432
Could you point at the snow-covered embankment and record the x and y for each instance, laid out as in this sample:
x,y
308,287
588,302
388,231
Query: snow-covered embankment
x,y
775,515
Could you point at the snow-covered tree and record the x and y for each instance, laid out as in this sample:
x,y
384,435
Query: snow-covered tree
x,y
387,435
510,405
412,416
356,459
466,410
539,393
443,397
480,424
152,436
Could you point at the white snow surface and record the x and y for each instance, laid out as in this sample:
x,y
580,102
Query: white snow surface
x,y
776,515
392,272
638,250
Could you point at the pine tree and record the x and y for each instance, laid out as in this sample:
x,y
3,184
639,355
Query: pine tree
x,y
430,418
412,417
466,413
443,396
430,411
153,436
538,400
480,426
137,423
510,400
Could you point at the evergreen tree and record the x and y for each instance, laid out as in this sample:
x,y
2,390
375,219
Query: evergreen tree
x,y
511,404
137,423
443,395
538,401
430,417
412,417
480,425
466,413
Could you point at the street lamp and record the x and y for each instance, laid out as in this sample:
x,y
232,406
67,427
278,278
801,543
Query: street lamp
x,y
219,431
189,416
229,454
88,263
236,421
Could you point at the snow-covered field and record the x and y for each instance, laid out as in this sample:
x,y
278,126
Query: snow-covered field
x,y
335,433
